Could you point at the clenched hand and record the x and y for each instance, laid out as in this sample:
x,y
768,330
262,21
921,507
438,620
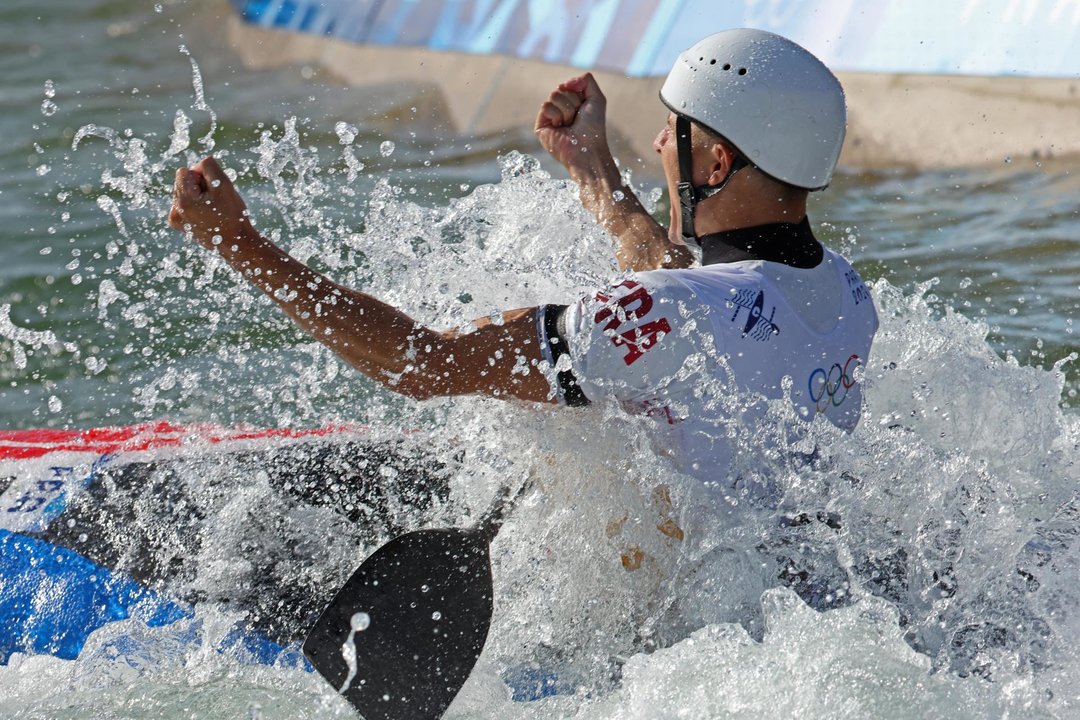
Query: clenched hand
x,y
571,124
206,204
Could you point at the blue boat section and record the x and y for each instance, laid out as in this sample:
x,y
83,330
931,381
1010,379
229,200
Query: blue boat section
x,y
642,38
52,599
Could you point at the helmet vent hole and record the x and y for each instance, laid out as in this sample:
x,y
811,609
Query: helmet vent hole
x,y
727,66
713,61
742,71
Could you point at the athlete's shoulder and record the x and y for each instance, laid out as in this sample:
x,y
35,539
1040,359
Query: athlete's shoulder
x,y
632,334
650,291
704,289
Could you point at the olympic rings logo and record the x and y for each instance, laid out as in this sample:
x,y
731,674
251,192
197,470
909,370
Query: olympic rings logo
x,y
831,388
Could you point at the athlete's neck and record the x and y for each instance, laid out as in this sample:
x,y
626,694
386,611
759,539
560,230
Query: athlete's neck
x,y
750,199
791,244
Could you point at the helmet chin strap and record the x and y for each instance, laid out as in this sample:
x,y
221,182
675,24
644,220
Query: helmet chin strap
x,y
689,194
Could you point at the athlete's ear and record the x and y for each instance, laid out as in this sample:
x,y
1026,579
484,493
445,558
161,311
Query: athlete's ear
x,y
722,158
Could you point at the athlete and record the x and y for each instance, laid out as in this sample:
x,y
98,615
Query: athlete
x,y
756,122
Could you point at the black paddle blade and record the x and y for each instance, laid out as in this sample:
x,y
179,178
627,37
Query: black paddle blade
x,y
421,608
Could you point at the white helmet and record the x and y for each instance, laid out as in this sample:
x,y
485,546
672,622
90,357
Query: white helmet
x,y
776,102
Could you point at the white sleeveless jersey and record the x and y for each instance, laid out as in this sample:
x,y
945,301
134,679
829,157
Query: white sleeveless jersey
x,y
675,344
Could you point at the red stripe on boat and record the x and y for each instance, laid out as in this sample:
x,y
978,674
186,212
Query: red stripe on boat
x,y
28,444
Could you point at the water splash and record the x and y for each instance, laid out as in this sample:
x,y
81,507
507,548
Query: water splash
x,y
357,623
180,139
200,103
110,206
24,341
48,105
852,662
107,295
92,130
346,136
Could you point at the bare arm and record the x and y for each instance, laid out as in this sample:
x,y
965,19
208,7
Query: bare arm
x,y
382,342
571,126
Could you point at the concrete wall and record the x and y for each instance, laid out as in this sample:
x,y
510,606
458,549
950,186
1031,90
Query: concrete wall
x,y
894,120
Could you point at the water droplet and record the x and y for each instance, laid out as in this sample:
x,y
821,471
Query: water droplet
x,y
346,133
386,149
55,405
50,89
436,615
360,621
48,108
618,196
424,588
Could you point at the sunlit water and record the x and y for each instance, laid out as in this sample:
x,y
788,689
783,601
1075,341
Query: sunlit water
x,y
938,543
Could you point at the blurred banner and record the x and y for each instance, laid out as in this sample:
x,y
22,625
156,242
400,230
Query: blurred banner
x,y
641,38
